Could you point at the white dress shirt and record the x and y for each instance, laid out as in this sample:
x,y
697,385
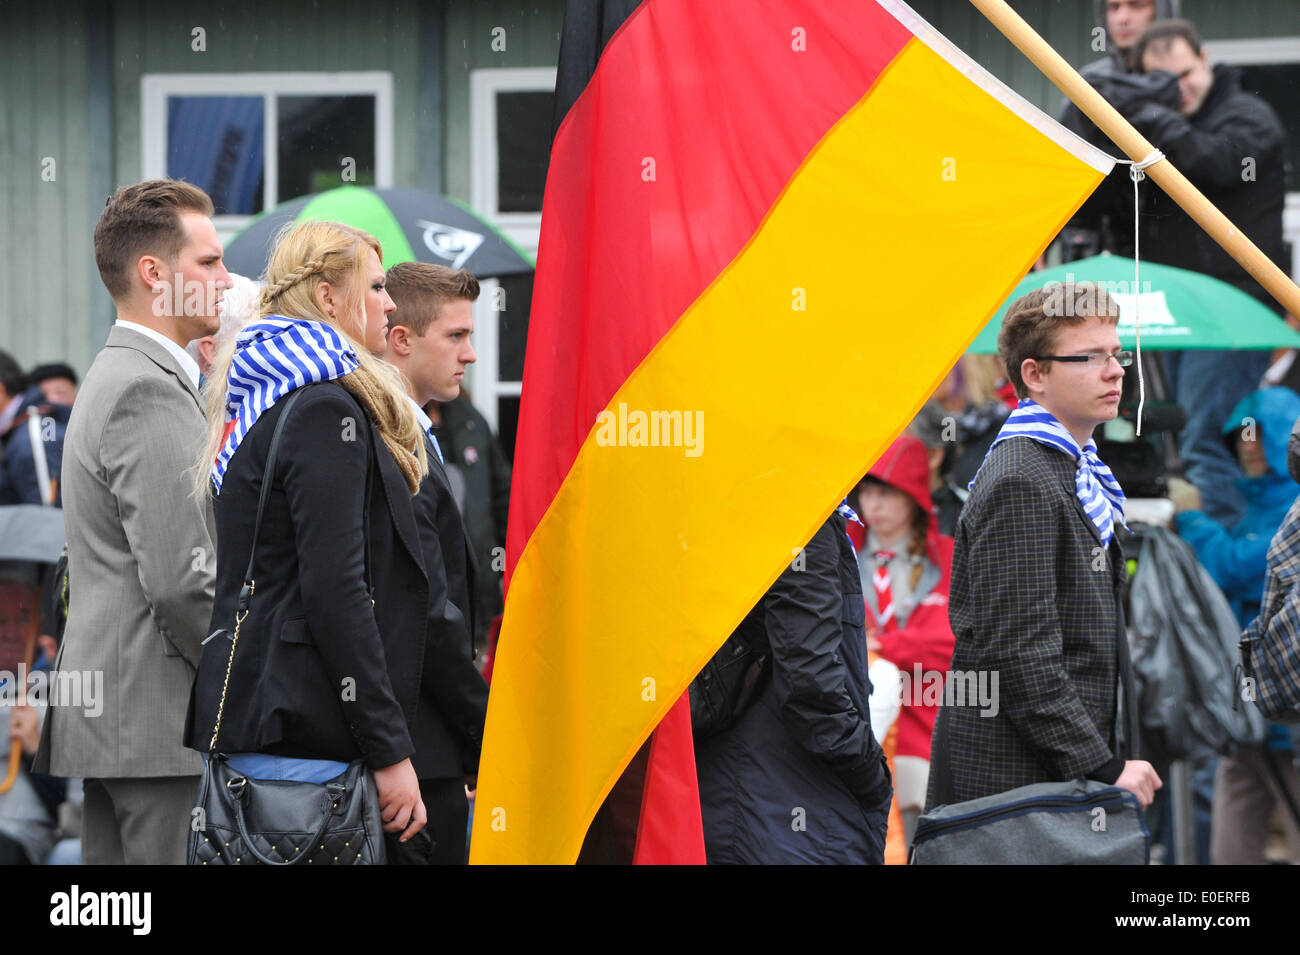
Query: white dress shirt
x,y
426,423
188,364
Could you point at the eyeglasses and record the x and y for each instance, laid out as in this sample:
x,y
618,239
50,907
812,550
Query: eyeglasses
x,y
1125,358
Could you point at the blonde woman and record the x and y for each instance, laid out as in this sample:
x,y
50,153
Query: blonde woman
x,y
326,670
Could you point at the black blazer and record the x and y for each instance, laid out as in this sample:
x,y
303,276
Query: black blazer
x,y
453,694
1034,600
317,673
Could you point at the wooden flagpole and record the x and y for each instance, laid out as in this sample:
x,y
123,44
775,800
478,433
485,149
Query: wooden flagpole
x,y
1136,146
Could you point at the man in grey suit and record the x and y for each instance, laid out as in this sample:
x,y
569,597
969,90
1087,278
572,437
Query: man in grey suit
x,y
1037,570
140,546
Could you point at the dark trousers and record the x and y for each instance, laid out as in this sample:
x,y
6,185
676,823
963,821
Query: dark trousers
x,y
11,853
448,812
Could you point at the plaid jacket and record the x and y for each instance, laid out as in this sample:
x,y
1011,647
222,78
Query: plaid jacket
x,y
1271,644
1034,602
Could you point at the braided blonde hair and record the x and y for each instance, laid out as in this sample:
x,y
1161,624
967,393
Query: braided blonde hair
x,y
307,254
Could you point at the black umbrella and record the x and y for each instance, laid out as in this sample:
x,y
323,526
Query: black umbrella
x,y
411,225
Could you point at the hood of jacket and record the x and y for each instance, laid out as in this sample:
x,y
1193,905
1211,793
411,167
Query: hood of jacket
x,y
1293,453
1275,412
1165,10
906,466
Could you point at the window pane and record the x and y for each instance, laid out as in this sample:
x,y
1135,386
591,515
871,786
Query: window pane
x,y
217,143
513,325
316,135
523,149
507,424
1279,84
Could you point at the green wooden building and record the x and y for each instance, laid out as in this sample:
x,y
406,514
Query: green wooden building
x,y
264,101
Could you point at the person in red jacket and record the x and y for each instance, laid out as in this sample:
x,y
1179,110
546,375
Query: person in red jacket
x,y
905,564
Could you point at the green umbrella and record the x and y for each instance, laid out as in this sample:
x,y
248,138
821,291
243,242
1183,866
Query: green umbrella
x,y
1179,309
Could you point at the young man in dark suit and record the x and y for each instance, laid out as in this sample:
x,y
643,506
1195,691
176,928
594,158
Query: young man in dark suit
x,y
1038,567
429,342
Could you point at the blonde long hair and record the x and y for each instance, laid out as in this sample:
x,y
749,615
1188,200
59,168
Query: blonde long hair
x,y
305,255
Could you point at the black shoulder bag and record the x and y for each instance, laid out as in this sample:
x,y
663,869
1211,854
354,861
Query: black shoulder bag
x,y
239,820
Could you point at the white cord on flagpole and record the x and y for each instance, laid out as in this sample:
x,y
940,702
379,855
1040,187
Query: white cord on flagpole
x,y
1137,172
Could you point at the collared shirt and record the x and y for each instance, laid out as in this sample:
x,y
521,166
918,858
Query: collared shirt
x,y
188,364
900,571
426,424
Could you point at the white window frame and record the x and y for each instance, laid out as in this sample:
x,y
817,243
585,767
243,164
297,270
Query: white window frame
x,y
1268,51
155,88
522,228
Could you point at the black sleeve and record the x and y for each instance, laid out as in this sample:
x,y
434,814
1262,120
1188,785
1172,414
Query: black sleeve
x,y
325,452
452,682
802,614
500,495
1210,157
51,790
1127,92
1108,772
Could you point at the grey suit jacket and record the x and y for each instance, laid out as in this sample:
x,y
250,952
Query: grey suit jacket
x,y
141,566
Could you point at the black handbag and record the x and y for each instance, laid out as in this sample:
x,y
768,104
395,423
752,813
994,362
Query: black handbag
x,y
244,821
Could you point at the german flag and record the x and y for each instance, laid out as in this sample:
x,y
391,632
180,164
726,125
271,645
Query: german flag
x,y
769,230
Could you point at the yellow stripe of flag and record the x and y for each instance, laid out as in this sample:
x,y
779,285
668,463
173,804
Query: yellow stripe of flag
x,y
902,232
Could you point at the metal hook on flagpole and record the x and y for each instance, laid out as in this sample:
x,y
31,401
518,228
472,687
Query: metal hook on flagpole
x,y
1137,172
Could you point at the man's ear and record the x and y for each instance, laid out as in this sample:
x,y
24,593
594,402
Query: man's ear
x,y
399,341
207,350
1032,374
153,271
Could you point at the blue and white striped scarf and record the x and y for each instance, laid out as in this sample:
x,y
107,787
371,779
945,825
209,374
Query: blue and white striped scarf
x,y
850,517
1099,493
272,358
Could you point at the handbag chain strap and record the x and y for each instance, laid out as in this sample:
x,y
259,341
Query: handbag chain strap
x,y
246,592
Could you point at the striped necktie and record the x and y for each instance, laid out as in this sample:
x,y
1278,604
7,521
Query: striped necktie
x,y
884,597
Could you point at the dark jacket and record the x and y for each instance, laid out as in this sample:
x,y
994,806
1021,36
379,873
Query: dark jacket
x,y
1104,223
453,694
1034,601
799,777
471,449
317,673
18,474
1232,150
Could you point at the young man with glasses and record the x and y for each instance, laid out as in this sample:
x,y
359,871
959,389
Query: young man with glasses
x,y
1038,567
